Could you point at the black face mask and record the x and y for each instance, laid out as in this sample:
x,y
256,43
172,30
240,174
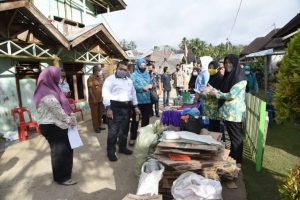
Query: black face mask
x,y
150,71
142,70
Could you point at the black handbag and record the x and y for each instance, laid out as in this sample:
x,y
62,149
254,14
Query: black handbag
x,y
153,96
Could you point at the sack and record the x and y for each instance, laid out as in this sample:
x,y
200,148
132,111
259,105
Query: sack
x,y
151,173
153,96
147,137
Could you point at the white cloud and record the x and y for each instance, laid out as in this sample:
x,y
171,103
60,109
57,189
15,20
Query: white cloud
x,y
161,22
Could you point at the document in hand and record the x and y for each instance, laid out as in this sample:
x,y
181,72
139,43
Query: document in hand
x,y
74,137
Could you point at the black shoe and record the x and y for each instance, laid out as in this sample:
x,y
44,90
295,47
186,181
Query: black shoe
x,y
112,156
97,130
125,151
157,115
102,128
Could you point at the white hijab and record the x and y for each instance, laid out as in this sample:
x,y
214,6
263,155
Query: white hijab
x,y
205,60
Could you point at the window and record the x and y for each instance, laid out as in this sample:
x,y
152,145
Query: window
x,y
75,78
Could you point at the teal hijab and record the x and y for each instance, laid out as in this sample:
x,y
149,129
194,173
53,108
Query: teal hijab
x,y
145,75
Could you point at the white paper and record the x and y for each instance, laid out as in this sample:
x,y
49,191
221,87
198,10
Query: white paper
x,y
74,137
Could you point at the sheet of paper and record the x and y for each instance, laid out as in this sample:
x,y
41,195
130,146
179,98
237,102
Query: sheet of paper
x,y
74,137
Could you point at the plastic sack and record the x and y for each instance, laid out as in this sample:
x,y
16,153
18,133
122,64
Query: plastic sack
x,y
147,136
191,186
151,173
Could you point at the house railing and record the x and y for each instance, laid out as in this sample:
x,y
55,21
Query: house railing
x,y
256,127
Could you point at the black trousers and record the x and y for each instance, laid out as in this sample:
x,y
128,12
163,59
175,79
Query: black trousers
x,y
61,152
145,112
156,108
214,125
118,126
235,130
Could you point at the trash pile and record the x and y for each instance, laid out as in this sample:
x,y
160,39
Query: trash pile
x,y
174,164
204,154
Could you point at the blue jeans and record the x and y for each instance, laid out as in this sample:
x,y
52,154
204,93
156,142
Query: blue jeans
x,y
166,96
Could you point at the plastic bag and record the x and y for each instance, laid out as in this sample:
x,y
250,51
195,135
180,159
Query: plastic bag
x,y
191,186
151,173
193,124
147,136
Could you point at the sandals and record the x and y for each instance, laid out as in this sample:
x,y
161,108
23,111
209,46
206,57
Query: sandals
x,y
68,182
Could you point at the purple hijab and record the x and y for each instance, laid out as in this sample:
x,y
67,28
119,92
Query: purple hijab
x,y
48,84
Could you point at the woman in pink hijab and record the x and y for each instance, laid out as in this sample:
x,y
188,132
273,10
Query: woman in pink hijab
x,y
54,120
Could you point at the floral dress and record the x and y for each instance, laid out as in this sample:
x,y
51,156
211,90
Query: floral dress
x,y
234,107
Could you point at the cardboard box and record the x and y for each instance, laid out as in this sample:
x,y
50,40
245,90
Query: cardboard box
x,y
137,197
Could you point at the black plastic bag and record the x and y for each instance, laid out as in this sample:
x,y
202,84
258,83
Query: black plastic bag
x,y
192,124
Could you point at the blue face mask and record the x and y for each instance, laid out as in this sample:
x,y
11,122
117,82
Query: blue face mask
x,y
122,74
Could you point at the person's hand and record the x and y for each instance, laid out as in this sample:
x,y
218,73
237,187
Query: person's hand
x,y
73,121
214,92
147,87
158,92
197,97
109,114
137,111
207,90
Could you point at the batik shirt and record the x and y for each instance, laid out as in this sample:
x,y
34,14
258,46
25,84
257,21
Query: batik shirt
x,y
210,108
234,107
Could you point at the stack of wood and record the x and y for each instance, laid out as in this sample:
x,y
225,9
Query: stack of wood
x,y
209,160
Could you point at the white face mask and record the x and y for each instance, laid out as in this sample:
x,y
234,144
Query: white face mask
x,y
195,73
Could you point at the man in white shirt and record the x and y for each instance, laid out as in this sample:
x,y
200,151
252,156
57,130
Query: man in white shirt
x,y
63,85
119,96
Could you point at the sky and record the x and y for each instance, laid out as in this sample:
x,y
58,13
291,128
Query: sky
x,y
152,23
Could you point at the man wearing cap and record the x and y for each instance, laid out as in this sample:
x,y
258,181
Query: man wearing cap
x,y
95,83
119,96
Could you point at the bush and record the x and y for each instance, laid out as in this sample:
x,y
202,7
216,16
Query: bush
x,y
287,94
290,189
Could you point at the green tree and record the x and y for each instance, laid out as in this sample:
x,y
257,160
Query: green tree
x,y
202,48
287,95
128,45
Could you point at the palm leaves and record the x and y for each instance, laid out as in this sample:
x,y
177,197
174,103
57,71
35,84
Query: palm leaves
x,y
202,48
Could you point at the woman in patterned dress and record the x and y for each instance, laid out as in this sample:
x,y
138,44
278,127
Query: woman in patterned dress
x,y
232,104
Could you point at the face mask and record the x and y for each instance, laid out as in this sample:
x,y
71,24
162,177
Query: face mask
x,y
150,71
121,74
229,67
247,72
195,73
212,71
142,70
